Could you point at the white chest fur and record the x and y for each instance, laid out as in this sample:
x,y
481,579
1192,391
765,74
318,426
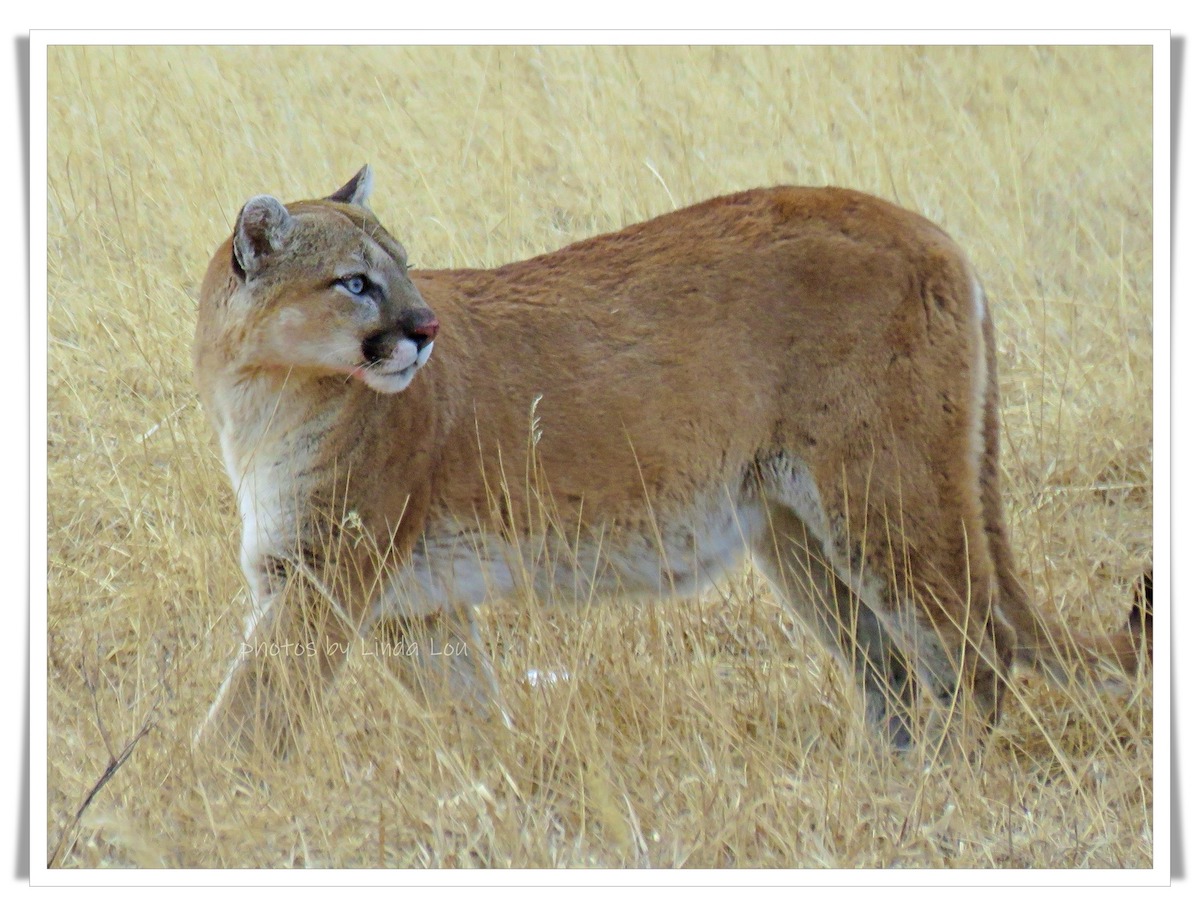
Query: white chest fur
x,y
266,507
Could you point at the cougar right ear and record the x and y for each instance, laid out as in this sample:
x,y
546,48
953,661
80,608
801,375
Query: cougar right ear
x,y
356,190
261,229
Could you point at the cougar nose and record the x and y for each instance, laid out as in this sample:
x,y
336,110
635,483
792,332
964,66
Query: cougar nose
x,y
380,346
422,335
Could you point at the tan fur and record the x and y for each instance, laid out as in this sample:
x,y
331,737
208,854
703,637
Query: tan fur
x,y
807,375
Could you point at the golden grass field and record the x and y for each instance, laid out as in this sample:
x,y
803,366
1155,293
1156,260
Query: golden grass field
x,y
705,733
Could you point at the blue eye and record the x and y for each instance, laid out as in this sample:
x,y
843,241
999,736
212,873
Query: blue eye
x,y
355,285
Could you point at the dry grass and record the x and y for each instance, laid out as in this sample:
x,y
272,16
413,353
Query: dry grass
x,y
689,734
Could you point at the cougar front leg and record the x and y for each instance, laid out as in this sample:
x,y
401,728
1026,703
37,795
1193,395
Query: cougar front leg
x,y
440,658
295,641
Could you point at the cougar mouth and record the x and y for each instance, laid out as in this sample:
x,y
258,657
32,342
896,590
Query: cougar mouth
x,y
394,372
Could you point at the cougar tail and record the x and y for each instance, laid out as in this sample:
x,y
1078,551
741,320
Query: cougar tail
x,y
1041,644
1058,653
1123,649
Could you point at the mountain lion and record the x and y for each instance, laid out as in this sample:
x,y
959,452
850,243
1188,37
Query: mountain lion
x,y
803,375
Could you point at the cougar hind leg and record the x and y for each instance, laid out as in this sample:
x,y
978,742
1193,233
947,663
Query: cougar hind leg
x,y
790,556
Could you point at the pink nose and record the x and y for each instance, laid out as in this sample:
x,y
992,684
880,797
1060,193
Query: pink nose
x,y
424,333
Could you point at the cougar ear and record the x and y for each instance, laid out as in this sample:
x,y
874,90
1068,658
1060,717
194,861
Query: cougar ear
x,y
261,230
356,190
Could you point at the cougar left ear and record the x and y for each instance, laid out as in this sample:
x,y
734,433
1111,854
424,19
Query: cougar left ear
x,y
261,230
356,190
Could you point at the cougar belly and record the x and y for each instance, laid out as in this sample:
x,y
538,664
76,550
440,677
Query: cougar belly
x,y
655,558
